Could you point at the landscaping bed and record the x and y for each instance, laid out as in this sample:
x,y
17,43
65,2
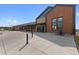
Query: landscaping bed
x,y
77,40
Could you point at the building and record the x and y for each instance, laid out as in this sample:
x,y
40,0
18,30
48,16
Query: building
x,y
41,25
56,19
25,27
60,18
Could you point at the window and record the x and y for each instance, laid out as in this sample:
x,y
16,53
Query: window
x,y
60,23
54,24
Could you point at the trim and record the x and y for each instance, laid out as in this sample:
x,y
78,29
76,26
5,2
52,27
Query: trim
x,y
44,11
68,5
46,23
74,31
51,9
40,23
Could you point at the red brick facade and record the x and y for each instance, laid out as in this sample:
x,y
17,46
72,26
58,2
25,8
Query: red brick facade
x,y
68,14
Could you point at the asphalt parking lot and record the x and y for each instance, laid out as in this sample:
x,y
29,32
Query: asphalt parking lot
x,y
41,44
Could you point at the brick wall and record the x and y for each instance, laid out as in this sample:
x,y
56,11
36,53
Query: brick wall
x,y
68,16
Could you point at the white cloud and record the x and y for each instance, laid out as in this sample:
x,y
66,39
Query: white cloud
x,y
15,21
77,14
11,22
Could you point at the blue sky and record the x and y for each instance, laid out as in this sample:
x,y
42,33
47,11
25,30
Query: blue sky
x,y
13,14
77,16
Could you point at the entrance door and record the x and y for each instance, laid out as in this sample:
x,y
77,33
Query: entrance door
x,y
41,28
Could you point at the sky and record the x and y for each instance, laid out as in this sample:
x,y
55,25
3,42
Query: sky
x,y
77,16
14,14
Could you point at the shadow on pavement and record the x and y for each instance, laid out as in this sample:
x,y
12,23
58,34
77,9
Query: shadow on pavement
x,y
65,40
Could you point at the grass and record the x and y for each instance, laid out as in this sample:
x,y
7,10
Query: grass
x,y
77,40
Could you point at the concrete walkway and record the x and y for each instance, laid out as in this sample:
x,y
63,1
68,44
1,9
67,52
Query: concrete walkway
x,y
40,44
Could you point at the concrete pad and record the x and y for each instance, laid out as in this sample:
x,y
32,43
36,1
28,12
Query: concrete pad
x,y
60,51
1,48
30,50
13,41
59,45
40,44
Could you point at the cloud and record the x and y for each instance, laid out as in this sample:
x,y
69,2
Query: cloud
x,y
9,20
15,21
77,14
12,22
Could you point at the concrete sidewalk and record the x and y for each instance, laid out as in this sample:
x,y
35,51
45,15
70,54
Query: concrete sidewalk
x,y
40,44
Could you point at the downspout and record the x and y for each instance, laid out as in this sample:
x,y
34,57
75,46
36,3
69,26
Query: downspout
x,y
74,20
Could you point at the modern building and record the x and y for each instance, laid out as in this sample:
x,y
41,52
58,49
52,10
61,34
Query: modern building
x,y
57,18
60,18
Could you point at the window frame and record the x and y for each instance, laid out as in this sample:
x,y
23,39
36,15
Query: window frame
x,y
61,22
52,26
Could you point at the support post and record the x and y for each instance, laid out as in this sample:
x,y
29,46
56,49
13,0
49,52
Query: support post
x,y
32,34
26,38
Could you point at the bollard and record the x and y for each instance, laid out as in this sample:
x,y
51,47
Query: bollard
x,y
26,38
25,43
32,34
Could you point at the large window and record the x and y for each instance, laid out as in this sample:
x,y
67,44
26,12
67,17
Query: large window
x,y
54,23
60,23
41,28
